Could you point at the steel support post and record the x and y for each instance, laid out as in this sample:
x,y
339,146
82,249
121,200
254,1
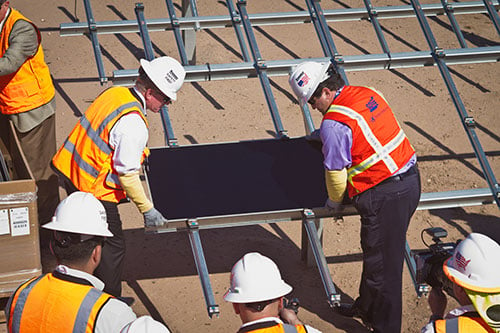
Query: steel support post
x,y
467,121
201,267
189,9
95,41
420,289
312,234
306,253
170,139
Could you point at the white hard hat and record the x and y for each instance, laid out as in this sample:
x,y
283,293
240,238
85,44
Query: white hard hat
x,y
166,73
144,324
255,278
306,77
80,213
474,264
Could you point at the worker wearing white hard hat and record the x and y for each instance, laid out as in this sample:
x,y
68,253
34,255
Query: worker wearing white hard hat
x,y
104,153
257,292
475,272
70,299
369,161
145,324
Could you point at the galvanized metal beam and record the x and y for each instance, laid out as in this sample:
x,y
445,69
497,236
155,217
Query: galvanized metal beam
x,y
432,200
262,19
243,70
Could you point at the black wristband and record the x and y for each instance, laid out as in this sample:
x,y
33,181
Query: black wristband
x,y
435,317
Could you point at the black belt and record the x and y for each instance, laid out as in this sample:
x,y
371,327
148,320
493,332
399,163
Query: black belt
x,y
411,171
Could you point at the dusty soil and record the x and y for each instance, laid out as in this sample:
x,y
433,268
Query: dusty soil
x,y
160,271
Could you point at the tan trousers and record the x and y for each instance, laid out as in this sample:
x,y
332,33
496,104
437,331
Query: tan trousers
x,y
39,146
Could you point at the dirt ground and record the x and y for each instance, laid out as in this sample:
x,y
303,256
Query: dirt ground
x,y
160,271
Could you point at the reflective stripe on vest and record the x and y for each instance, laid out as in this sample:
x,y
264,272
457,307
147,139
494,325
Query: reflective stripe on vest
x,y
82,318
86,157
289,328
19,305
96,138
452,325
31,85
379,146
381,151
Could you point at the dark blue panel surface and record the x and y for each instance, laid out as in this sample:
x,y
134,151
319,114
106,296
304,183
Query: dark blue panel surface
x,y
236,178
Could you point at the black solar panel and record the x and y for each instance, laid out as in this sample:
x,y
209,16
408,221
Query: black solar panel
x,y
236,178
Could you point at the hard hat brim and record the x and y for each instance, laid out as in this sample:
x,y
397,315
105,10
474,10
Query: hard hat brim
x,y
153,76
58,226
251,298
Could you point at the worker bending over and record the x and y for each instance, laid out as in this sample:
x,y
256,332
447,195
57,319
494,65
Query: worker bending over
x,y
105,150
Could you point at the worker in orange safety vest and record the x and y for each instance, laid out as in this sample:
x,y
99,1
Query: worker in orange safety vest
x,y
70,299
27,99
104,152
369,159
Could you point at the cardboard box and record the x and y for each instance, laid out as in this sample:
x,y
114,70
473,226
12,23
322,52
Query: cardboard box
x,y
19,242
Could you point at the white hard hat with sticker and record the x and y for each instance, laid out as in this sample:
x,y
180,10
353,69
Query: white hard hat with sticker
x,y
166,73
255,278
474,264
306,77
80,213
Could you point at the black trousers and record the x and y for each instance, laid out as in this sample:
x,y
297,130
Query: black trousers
x,y
385,210
110,268
113,253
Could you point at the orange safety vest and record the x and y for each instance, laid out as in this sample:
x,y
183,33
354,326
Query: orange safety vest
x,y
86,157
54,303
31,85
379,145
272,327
469,322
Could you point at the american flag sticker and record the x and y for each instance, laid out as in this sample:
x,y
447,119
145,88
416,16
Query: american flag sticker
x,y
303,79
461,262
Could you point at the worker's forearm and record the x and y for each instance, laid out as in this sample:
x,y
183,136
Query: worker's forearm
x,y
131,183
336,184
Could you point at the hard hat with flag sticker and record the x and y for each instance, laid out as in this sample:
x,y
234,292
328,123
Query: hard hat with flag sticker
x,y
306,77
474,264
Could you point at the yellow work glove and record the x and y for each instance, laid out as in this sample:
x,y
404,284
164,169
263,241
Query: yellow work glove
x,y
336,184
131,184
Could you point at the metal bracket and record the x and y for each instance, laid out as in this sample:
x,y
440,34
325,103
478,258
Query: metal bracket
x,y
439,52
469,122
